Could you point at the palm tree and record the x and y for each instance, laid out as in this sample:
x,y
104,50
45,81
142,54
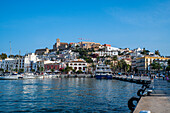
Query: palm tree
x,y
156,66
93,66
67,69
52,70
168,67
122,65
114,60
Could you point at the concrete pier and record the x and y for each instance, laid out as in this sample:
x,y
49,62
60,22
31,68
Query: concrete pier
x,y
159,101
135,79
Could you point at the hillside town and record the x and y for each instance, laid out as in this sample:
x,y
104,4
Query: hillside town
x,y
82,57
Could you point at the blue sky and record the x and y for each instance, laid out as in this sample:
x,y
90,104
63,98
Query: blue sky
x,y
35,24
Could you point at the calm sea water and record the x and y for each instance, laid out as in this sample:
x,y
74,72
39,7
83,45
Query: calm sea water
x,y
66,95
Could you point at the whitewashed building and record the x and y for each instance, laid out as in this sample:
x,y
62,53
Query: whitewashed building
x,y
29,62
106,53
9,64
78,64
111,48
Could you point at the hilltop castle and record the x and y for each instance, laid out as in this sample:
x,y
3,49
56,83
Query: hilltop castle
x,y
60,45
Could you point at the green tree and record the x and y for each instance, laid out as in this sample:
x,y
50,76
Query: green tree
x,y
52,70
1,69
122,65
18,56
21,70
168,67
93,66
32,70
3,56
107,62
79,71
145,52
157,52
58,52
168,62
135,69
41,69
114,58
98,58
11,56
15,70
128,68
67,69
74,70
157,66
6,70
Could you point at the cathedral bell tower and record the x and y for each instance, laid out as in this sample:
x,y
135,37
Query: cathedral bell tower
x,y
57,42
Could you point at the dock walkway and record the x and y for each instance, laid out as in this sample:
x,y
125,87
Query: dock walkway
x,y
159,101
134,79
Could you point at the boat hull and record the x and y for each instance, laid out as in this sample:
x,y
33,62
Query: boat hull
x,y
103,76
10,77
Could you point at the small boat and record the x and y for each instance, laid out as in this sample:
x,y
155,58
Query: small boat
x,y
11,77
29,76
51,76
103,72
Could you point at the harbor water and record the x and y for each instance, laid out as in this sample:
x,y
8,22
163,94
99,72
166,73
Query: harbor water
x,y
66,95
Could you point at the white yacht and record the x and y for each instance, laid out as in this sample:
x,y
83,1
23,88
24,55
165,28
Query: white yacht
x,y
29,76
13,76
103,71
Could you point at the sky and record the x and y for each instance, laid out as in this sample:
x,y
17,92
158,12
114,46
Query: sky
x,y
36,24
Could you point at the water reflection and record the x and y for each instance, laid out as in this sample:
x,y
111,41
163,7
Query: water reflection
x,y
66,95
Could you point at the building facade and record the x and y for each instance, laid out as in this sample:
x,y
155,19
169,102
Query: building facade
x,y
42,51
78,64
143,64
106,53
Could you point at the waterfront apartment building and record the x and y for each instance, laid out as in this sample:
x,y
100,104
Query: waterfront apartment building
x,y
27,63
30,62
8,64
143,64
78,64
53,66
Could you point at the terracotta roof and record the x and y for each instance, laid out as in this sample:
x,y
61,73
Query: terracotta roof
x,y
41,50
63,43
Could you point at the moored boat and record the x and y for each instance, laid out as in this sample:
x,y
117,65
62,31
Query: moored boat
x,y
29,76
11,77
103,72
